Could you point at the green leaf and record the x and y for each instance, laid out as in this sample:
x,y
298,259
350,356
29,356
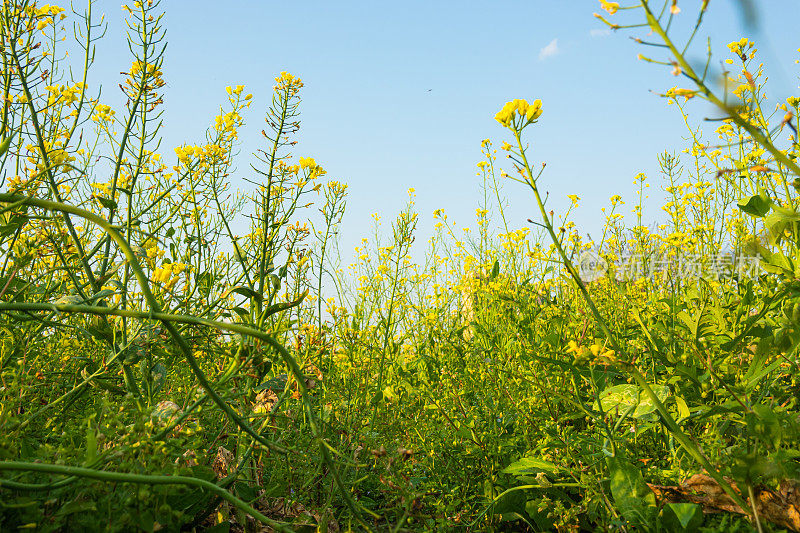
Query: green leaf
x,y
634,499
680,517
145,520
628,398
277,384
276,308
91,445
246,492
158,375
108,203
530,465
247,292
15,222
777,263
683,409
76,506
101,294
4,144
495,269
242,312
205,282
764,423
757,205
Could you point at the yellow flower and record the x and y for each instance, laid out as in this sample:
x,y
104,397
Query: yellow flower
x,y
519,108
288,82
611,7
686,93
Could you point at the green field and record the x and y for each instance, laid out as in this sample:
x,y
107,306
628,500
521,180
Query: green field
x,y
177,354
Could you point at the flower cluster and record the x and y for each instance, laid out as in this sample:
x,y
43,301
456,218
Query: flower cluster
x,y
102,113
57,156
288,82
61,94
611,7
168,274
314,170
44,15
204,155
740,46
517,114
593,354
145,78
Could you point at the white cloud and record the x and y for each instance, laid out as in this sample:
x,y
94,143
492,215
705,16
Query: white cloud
x,y
548,51
599,33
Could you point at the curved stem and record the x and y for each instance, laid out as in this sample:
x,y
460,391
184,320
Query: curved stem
x,y
120,477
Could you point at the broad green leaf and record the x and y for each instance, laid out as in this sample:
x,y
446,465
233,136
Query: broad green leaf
x,y
241,311
14,223
246,492
530,465
634,499
764,423
777,263
681,517
76,506
757,205
629,398
104,293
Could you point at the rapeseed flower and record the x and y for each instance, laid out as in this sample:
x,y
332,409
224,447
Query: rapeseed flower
x,y
611,7
519,109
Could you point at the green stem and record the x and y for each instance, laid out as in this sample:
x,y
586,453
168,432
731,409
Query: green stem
x,y
121,477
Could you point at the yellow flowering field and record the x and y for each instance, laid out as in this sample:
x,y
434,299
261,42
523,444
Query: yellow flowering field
x,y
178,353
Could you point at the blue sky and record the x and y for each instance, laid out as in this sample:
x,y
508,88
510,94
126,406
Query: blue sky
x,y
400,94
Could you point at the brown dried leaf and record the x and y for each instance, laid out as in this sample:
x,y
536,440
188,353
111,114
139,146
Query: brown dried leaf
x,y
781,507
224,462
